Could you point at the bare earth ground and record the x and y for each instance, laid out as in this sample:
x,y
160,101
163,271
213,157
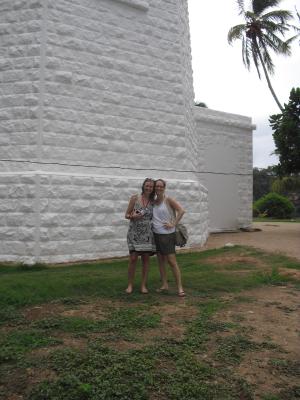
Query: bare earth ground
x,y
280,237
264,315
273,312
270,314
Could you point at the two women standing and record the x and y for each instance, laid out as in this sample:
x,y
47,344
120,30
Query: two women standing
x,y
152,229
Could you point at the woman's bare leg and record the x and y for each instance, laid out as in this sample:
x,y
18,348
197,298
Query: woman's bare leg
x,y
163,271
133,258
176,272
145,270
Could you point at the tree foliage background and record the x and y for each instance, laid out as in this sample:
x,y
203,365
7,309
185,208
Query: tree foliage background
x,y
286,135
262,181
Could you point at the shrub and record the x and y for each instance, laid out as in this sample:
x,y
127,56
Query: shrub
x,y
275,206
255,211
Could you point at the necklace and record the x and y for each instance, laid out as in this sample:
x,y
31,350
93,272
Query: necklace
x,y
145,203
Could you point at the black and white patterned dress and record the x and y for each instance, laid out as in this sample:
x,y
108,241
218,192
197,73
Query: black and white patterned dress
x,y
140,236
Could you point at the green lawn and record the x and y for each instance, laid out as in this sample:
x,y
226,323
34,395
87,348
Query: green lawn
x,y
71,333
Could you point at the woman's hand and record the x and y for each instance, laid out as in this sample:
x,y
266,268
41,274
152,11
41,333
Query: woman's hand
x,y
136,215
169,225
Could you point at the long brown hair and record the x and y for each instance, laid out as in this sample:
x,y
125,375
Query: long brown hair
x,y
151,197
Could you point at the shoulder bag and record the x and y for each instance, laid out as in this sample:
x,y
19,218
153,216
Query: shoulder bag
x,y
181,233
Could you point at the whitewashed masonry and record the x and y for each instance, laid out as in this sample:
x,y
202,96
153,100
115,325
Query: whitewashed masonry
x,y
96,95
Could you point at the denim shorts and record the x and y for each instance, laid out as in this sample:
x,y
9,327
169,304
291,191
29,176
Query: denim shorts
x,y
165,243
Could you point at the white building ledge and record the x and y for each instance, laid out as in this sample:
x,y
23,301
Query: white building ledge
x,y
222,118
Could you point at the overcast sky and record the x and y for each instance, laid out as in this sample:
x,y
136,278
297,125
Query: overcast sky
x,y
222,81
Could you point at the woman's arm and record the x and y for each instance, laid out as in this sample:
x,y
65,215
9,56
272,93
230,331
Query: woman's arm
x,y
178,208
128,213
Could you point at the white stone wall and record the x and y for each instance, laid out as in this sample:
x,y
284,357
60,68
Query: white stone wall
x,y
113,84
62,217
95,95
20,62
87,76
191,137
226,143
18,216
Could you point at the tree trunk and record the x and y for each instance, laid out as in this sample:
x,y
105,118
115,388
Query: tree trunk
x,y
268,80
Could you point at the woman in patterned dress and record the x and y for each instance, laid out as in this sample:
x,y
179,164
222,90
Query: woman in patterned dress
x,y
140,236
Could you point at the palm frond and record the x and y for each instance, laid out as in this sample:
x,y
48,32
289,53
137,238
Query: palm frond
x,y
286,48
250,16
267,60
246,52
259,6
282,29
278,16
241,6
276,44
294,28
236,32
255,58
270,26
291,39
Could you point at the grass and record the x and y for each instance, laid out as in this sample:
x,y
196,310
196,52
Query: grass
x,y
15,344
71,333
120,323
286,367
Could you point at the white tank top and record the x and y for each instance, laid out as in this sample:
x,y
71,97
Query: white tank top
x,y
160,216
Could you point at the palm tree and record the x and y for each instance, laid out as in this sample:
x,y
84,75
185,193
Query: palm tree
x,y
298,15
259,35
200,104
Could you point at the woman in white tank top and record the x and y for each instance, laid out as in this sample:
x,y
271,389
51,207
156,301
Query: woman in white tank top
x,y
161,215
163,225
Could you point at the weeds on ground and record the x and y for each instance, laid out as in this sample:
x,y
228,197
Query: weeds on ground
x,y
70,333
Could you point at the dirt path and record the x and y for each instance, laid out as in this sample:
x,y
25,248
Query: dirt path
x,y
282,237
272,315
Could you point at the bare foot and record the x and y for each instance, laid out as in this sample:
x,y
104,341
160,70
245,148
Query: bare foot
x,y
144,290
129,290
162,289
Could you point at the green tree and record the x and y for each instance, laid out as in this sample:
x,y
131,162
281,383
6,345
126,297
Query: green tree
x,y
286,135
262,181
286,185
289,186
263,31
274,205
